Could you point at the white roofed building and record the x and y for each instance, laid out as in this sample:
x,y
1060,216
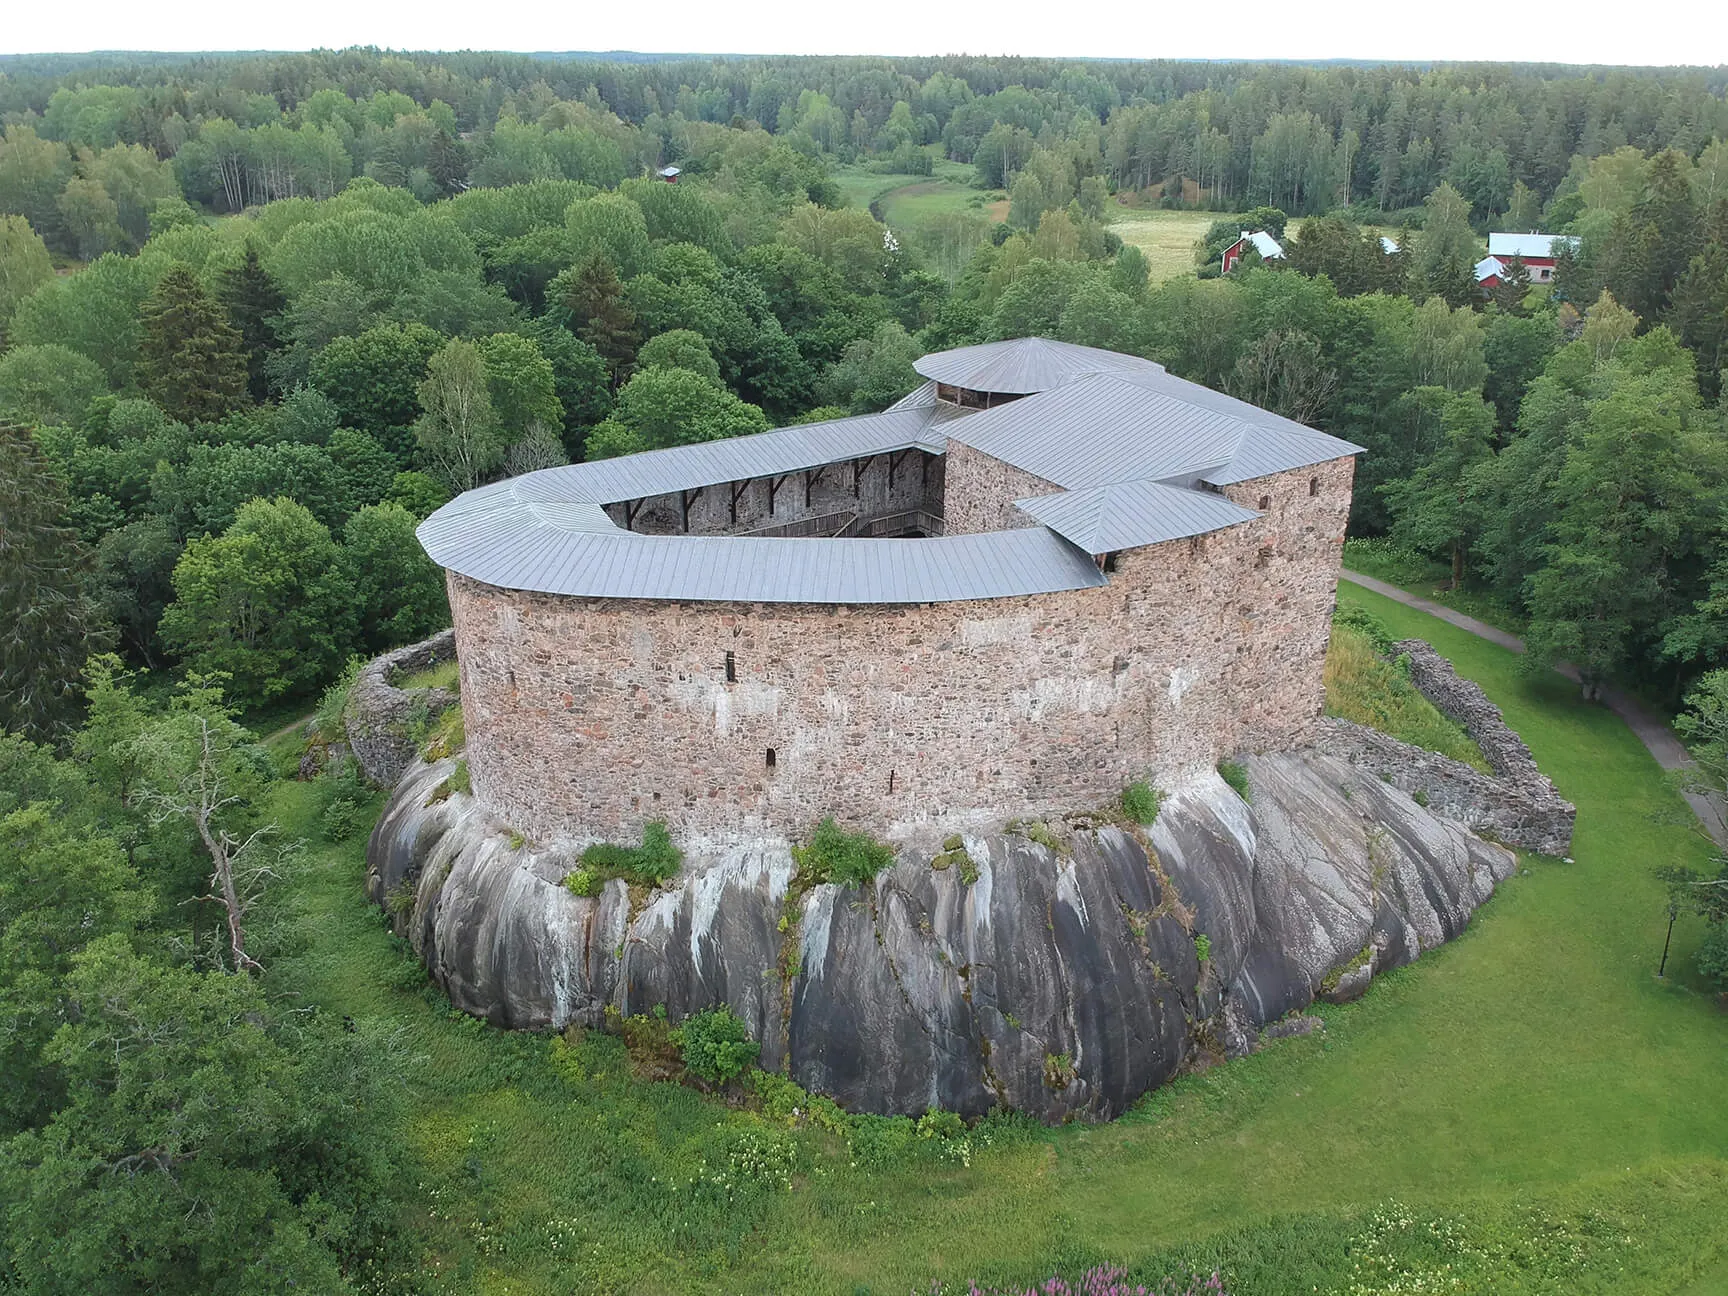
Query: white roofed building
x,y
1539,252
1268,247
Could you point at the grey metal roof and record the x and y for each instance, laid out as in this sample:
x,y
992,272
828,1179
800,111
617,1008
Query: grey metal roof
x,y
1126,515
1488,266
1125,438
522,547
1528,245
1269,248
1025,365
708,463
1108,428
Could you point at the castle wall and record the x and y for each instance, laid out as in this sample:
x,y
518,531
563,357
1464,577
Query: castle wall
x,y
917,483
589,717
980,491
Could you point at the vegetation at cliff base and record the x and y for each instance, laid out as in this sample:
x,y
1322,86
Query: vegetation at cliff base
x,y
834,855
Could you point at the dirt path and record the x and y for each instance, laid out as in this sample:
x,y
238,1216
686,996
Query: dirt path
x,y
1663,743
286,729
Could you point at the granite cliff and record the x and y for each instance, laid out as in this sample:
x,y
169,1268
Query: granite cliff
x,y
1060,976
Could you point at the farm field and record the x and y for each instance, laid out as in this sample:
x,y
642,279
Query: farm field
x,y
903,199
1166,237
1528,1105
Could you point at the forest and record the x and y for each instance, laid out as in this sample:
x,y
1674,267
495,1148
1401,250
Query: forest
x,y
260,315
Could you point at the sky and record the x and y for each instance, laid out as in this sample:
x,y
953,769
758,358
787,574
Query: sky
x,y
1582,31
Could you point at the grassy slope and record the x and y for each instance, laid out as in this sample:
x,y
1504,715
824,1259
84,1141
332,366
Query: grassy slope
x,y
1362,686
1533,1065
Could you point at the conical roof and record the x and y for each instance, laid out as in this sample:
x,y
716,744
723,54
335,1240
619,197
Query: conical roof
x,y
1022,366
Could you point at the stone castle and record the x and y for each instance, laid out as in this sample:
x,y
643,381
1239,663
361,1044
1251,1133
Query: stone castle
x,y
1047,573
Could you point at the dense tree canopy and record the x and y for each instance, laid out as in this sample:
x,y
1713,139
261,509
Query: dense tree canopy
x,y
450,270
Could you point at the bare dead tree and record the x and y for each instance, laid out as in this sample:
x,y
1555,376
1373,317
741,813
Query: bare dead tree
x,y
240,866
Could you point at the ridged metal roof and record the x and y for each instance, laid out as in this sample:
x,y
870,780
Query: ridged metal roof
x,y
709,463
1106,428
523,548
1126,515
1506,246
1025,365
1126,438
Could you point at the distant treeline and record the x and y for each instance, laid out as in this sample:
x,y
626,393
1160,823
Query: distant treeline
x,y
242,129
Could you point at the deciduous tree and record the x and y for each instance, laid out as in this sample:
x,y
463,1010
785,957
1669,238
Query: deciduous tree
x,y
265,603
398,589
459,433
24,266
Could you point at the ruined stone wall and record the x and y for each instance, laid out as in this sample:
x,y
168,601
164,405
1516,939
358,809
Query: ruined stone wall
x,y
980,491
380,717
913,480
589,717
1532,816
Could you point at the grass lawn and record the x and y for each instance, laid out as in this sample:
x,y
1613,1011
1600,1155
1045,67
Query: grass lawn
x,y
902,199
1528,1105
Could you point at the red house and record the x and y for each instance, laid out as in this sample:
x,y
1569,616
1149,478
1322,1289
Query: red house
x,y
1262,242
669,174
1539,252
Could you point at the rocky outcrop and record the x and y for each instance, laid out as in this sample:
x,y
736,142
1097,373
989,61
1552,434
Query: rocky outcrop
x,y
1529,815
1063,978
382,718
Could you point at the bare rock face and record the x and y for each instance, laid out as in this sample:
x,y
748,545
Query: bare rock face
x,y
1058,981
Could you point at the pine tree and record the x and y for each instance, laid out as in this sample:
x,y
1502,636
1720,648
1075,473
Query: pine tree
x,y
601,315
192,361
1514,283
254,303
447,163
47,588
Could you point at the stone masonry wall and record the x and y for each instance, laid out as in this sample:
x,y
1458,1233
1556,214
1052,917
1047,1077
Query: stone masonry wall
x,y
1513,765
917,483
1491,807
589,717
379,716
981,490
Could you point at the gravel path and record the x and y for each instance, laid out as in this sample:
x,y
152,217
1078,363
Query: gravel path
x,y
1663,743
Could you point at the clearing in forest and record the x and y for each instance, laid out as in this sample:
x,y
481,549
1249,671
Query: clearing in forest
x,y
1166,237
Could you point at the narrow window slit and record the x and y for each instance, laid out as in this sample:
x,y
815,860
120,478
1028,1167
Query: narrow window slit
x,y
731,668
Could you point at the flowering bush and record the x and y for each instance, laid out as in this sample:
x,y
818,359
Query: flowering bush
x,y
1105,1280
